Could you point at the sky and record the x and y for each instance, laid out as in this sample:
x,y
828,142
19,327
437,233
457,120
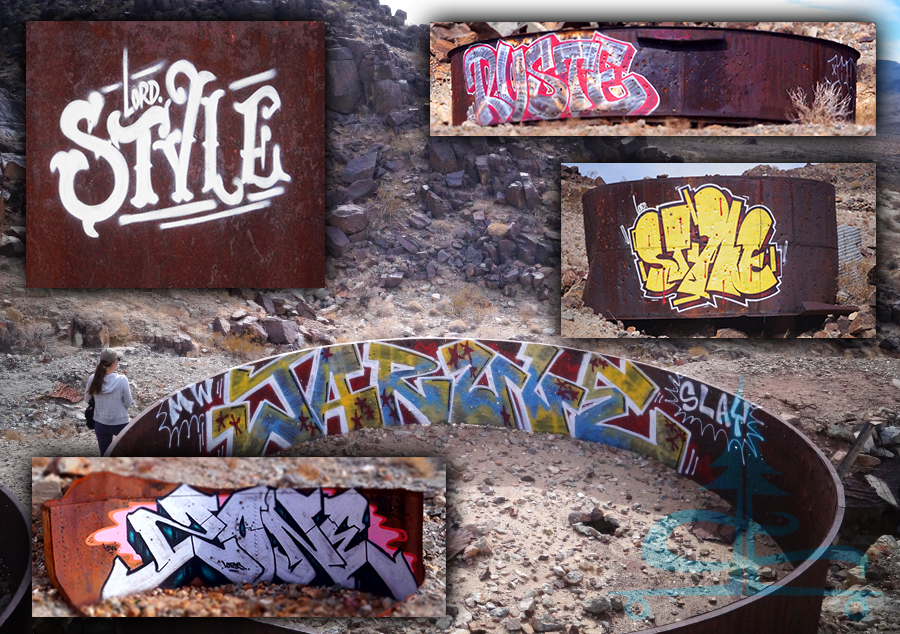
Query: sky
x,y
617,172
885,12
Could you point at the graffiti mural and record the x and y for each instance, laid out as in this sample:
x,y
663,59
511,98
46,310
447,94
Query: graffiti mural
x,y
552,77
705,433
170,535
708,246
155,147
276,403
743,472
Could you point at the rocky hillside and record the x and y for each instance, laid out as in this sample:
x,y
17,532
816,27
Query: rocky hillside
x,y
425,237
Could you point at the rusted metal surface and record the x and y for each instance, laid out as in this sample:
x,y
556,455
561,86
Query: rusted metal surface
x,y
690,426
711,246
114,535
695,72
15,563
210,626
175,154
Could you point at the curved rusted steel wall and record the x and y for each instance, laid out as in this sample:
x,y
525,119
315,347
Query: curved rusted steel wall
x,y
289,399
205,625
696,72
710,246
15,559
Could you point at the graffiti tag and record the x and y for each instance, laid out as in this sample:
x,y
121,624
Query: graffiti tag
x,y
709,244
552,77
155,131
744,470
257,535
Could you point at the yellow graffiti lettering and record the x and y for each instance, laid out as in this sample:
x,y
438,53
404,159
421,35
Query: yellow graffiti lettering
x,y
704,246
632,382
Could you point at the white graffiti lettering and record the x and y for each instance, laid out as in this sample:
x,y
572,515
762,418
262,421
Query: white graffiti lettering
x,y
155,130
257,535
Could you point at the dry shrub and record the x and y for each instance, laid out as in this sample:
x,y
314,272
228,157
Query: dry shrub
x,y
677,125
174,311
414,306
37,336
424,466
307,472
853,279
386,209
409,143
384,308
15,315
468,303
828,108
244,347
467,298
458,325
380,331
11,434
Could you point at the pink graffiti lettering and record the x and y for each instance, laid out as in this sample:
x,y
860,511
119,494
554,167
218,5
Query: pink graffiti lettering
x,y
552,78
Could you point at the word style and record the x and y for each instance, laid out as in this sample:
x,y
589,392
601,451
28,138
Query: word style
x,y
257,535
708,244
155,131
551,78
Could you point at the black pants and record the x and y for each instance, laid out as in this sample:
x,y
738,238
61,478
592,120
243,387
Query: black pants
x,y
105,434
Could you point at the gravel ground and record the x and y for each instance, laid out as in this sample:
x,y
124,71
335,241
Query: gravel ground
x,y
812,387
281,600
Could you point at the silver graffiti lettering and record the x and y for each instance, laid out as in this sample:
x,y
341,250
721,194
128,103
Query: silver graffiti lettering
x,y
551,77
257,535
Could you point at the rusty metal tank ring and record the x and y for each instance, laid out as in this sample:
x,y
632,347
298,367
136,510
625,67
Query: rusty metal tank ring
x,y
711,246
693,427
723,75
15,557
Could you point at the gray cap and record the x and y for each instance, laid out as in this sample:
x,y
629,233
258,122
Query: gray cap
x,y
109,356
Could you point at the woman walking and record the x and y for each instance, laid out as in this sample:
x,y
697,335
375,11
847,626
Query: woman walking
x,y
112,398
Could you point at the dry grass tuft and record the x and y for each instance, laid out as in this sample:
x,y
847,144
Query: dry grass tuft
x,y
424,466
15,315
244,347
853,279
381,331
467,299
386,209
11,434
458,325
409,143
828,108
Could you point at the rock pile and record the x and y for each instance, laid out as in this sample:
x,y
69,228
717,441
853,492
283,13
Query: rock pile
x,y
285,320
